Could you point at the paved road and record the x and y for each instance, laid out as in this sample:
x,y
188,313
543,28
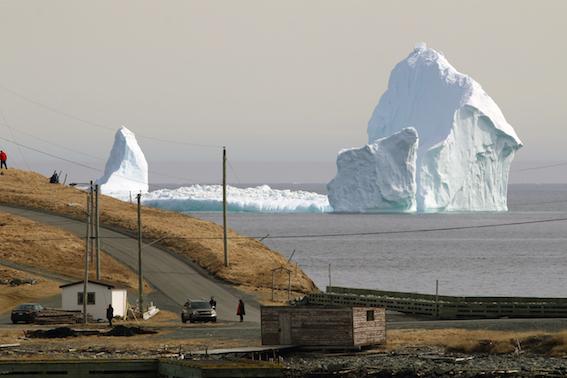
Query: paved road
x,y
173,278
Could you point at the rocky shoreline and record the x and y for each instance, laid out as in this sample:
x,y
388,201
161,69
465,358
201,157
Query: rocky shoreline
x,y
425,363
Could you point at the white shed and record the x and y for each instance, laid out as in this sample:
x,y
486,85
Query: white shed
x,y
99,295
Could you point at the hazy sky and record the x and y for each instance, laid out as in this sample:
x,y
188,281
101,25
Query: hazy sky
x,y
275,81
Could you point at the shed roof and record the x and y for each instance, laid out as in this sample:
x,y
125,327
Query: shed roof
x,y
109,285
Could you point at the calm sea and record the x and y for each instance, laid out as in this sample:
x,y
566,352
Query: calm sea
x,y
469,255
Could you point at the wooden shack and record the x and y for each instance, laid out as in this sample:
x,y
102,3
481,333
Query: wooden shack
x,y
323,326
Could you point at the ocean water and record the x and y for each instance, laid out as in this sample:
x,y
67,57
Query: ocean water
x,y
468,253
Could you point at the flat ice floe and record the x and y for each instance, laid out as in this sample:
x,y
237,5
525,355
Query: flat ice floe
x,y
259,199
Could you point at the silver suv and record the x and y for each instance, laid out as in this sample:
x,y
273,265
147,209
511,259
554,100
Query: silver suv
x,y
196,311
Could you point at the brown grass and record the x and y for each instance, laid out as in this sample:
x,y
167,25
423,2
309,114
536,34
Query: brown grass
x,y
481,341
200,241
264,295
51,249
11,296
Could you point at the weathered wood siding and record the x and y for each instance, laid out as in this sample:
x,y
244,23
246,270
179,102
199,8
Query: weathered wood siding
x,y
369,332
308,326
269,322
318,326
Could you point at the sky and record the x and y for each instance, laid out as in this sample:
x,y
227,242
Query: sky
x,y
283,84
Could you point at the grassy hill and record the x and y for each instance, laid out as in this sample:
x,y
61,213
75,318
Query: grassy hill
x,y
198,240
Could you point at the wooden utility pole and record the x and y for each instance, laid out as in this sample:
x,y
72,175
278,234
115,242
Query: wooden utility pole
x,y
329,275
225,241
140,277
91,239
86,276
97,231
437,298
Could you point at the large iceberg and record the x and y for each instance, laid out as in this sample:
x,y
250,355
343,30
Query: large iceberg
x,y
126,170
256,199
464,152
378,176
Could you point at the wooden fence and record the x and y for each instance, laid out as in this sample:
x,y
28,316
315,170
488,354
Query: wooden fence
x,y
443,306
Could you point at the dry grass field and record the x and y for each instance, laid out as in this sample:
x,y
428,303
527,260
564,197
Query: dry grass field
x,y
200,241
51,249
10,296
481,341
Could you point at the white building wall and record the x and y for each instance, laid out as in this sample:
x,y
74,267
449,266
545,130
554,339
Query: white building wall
x,y
119,302
103,297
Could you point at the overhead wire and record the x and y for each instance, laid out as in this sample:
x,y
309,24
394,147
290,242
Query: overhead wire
x,y
332,235
73,161
99,125
7,124
543,167
98,158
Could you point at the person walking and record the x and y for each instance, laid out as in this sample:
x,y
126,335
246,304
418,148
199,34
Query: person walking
x,y
3,158
213,303
240,310
110,314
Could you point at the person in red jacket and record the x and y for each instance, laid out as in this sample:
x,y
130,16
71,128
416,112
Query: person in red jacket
x,y
3,158
240,311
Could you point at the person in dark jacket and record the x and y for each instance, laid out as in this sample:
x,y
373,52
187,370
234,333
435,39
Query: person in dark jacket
x,y
110,314
3,158
213,303
240,310
54,179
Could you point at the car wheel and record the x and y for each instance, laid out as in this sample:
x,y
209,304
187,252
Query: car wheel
x,y
214,320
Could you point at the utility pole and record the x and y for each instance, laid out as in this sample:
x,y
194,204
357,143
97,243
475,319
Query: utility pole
x,y
437,298
97,231
86,277
225,241
140,277
91,239
329,274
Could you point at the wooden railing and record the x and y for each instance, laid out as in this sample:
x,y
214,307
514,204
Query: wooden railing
x,y
443,306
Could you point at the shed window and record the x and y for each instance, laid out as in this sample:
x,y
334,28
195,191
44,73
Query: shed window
x,y
369,315
90,298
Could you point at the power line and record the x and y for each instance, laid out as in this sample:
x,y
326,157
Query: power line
x,y
234,172
99,125
98,158
51,155
543,167
59,145
67,160
330,235
13,137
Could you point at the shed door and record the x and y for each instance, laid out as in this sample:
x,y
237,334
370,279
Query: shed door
x,y
285,329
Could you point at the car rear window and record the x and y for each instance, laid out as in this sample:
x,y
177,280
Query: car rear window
x,y
199,305
25,307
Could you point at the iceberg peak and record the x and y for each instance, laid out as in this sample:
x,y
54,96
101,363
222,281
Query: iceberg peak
x,y
126,169
465,147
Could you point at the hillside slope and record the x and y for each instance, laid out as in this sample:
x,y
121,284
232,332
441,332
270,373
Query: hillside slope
x,y
200,241
52,250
